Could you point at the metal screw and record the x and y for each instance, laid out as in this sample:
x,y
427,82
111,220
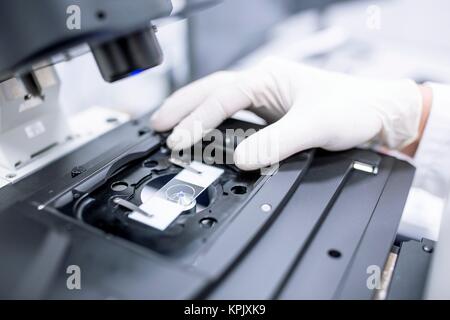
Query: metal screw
x,y
266,207
165,150
77,171
208,222
427,248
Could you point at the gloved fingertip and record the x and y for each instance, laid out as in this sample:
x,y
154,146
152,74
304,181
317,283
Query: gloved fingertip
x,y
155,122
173,141
179,140
243,160
160,123
245,166
154,116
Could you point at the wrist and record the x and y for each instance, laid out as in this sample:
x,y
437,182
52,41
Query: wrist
x,y
427,101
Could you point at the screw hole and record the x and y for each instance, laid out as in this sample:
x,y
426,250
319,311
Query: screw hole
x,y
119,186
334,253
101,15
143,131
150,163
239,190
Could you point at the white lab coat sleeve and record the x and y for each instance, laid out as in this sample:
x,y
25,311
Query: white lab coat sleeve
x,y
437,143
433,154
431,185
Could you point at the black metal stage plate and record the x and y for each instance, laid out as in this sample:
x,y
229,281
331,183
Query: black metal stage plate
x,y
326,225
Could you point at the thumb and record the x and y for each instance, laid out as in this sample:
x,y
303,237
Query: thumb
x,y
275,143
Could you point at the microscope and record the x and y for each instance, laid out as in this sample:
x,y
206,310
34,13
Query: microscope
x,y
74,225
38,34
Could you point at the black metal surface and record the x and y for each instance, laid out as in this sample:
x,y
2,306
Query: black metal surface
x,y
46,33
266,266
110,268
376,243
94,205
92,156
317,203
252,221
411,270
313,249
128,55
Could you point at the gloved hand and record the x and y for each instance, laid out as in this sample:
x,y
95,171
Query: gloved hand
x,y
307,107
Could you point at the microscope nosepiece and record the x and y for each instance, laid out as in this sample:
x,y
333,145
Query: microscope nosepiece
x,y
128,55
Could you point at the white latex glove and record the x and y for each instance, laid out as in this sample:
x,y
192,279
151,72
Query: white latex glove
x,y
309,108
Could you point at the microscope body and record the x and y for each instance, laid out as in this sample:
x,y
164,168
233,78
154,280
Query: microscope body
x,y
30,123
119,33
35,35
